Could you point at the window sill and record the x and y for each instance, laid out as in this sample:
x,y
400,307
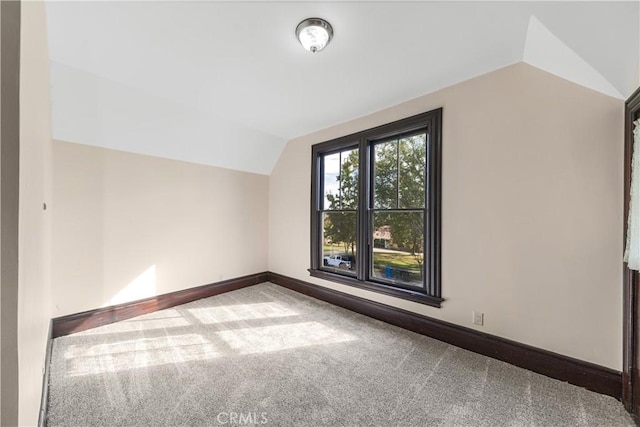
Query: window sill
x,y
415,296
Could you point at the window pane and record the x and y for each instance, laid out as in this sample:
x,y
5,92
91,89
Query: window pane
x,y
372,222
349,179
385,175
339,241
341,180
398,247
413,160
331,181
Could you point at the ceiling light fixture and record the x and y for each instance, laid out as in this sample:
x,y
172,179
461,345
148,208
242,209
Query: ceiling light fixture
x,y
314,34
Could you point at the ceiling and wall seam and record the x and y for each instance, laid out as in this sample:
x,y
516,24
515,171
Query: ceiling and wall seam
x,y
228,84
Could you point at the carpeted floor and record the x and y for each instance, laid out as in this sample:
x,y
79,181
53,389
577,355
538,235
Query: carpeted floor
x,y
265,355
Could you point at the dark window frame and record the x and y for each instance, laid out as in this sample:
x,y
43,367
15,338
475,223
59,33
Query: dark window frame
x,y
431,122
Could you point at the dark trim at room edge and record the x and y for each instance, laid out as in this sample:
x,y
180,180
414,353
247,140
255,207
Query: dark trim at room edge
x,y
584,374
44,397
413,296
578,372
630,279
72,323
65,325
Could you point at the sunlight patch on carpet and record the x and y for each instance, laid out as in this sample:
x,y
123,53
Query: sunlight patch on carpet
x,y
267,339
140,353
232,313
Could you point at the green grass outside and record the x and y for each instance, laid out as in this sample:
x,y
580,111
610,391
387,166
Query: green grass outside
x,y
402,260
396,260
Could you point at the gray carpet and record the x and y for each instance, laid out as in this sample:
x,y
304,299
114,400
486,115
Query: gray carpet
x,y
269,356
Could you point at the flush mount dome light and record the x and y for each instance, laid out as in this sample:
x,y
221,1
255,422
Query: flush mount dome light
x,y
314,34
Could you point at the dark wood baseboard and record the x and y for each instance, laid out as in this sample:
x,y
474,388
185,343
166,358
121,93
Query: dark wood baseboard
x,y
591,376
77,322
584,374
44,397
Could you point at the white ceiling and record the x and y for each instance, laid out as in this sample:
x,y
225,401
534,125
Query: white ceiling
x,y
227,83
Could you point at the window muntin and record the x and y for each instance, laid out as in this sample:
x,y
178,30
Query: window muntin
x,y
379,191
340,180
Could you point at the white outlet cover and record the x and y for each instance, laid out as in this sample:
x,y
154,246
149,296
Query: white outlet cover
x,y
478,318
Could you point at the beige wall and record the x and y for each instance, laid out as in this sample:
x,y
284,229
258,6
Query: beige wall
x,y
128,226
532,210
34,271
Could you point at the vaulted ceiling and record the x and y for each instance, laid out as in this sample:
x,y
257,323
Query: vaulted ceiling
x,y
227,83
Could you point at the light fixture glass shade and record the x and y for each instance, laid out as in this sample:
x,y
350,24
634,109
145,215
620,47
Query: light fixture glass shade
x,y
314,34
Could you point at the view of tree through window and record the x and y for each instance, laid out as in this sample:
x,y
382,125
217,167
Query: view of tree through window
x,y
375,220
397,226
340,205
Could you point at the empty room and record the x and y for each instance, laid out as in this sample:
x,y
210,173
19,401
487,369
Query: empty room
x,y
340,213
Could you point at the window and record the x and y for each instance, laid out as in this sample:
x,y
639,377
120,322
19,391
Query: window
x,y
375,209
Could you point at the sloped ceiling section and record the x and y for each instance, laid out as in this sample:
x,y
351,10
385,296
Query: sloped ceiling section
x,y
93,110
227,84
544,50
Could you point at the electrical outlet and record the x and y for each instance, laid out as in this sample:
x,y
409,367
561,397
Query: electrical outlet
x,y
478,318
